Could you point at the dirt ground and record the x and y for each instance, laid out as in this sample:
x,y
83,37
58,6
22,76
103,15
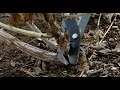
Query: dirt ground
x,y
105,63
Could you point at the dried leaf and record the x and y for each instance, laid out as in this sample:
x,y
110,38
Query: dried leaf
x,y
99,34
108,17
44,67
118,64
84,66
38,63
63,43
28,71
98,46
0,58
105,51
37,71
117,46
13,63
52,40
87,36
113,68
16,18
117,49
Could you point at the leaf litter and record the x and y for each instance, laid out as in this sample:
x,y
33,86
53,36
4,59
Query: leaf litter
x,y
105,61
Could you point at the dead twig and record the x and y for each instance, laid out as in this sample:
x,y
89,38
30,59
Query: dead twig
x,y
91,72
98,24
81,74
22,31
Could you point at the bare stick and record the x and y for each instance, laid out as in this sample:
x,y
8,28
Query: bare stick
x,y
27,48
22,31
81,73
94,72
98,24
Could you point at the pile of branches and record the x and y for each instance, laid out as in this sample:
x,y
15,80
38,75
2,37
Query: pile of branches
x,y
28,19
53,23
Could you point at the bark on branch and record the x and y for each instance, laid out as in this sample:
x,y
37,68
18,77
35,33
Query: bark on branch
x,y
22,31
27,48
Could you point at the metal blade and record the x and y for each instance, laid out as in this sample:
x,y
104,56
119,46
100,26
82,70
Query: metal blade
x,y
76,28
74,35
83,23
76,31
61,57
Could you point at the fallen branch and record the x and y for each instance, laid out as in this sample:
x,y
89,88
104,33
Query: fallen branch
x,y
22,31
27,48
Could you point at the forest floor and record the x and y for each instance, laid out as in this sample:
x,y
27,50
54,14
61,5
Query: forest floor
x,y
105,62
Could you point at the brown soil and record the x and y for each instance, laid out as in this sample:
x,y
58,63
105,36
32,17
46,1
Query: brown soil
x,y
14,63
